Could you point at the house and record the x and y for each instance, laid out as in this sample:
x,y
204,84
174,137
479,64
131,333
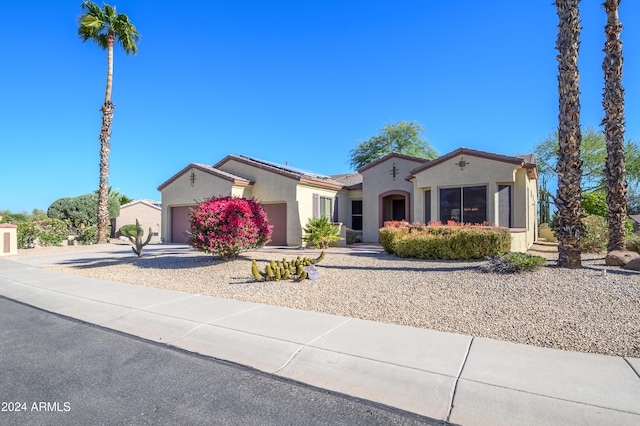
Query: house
x,y
148,213
464,186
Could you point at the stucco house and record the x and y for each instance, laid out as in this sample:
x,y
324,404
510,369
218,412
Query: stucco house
x,y
464,185
148,213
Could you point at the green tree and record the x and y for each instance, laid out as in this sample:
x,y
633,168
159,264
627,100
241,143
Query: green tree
x,y
81,210
613,121
105,27
402,137
593,152
568,200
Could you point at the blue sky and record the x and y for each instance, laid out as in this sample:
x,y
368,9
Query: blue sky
x,y
284,81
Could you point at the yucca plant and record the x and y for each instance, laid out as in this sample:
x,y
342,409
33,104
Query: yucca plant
x,y
320,232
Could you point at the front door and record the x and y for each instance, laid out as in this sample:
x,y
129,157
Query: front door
x,y
398,209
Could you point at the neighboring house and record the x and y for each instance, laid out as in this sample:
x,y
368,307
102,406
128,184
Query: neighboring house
x,y
464,185
148,213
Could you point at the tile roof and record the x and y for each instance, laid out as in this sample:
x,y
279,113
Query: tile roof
x,y
235,179
392,155
527,161
301,175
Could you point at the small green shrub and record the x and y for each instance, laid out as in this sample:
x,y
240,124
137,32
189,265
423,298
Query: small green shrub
x,y
390,235
131,230
594,203
27,234
52,232
512,263
15,218
321,232
89,234
633,242
596,234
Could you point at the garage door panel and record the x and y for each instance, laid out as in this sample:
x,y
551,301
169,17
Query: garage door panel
x,y
180,224
277,216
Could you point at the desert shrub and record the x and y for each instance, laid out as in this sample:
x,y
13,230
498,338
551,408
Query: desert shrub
x,y
89,234
596,234
52,232
450,242
391,233
48,232
15,218
594,203
27,233
321,232
225,226
633,242
131,229
82,209
512,262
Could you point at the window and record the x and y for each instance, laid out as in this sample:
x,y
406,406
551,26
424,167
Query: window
x,y
322,207
427,206
356,215
326,207
467,204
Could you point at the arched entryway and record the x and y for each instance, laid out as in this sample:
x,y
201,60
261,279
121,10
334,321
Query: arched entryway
x,y
394,205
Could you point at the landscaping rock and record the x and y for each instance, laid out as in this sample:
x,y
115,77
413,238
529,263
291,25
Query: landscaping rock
x,y
620,258
634,265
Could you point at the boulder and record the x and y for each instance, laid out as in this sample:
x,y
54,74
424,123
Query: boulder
x,y
620,258
634,265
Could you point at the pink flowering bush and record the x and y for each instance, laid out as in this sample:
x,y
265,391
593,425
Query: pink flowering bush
x,y
225,226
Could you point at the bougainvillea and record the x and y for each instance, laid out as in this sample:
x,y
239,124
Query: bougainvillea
x,y
225,226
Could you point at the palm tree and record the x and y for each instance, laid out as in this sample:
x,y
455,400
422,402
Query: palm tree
x,y
106,27
613,121
569,200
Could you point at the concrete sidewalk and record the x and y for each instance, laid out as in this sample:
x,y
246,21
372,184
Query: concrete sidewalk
x,y
456,378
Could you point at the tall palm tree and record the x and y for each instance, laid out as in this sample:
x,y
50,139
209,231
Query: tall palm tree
x,y
569,199
613,121
106,27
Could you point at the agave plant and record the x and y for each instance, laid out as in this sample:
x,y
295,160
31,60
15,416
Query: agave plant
x,y
320,232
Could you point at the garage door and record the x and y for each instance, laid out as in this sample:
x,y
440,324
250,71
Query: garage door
x,y
180,224
277,215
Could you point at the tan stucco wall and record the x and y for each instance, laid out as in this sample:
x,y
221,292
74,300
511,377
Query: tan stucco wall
x,y
148,216
379,180
482,171
181,193
272,188
305,208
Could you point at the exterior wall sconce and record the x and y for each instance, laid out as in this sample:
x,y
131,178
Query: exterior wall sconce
x,y
394,171
192,178
462,164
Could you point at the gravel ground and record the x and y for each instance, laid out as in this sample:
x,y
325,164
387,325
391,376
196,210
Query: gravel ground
x,y
594,309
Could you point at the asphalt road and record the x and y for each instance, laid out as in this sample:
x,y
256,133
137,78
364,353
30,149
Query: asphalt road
x,y
55,370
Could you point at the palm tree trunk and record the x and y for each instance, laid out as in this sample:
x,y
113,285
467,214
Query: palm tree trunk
x,y
569,195
105,148
103,189
613,121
